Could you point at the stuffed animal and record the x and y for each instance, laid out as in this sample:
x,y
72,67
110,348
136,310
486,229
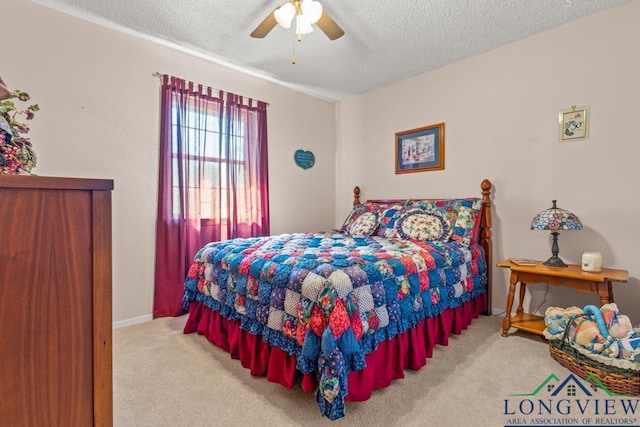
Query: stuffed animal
x,y
588,333
629,348
603,331
619,325
556,318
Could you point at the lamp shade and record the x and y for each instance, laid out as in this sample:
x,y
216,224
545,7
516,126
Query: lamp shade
x,y
284,14
303,26
312,10
4,90
555,218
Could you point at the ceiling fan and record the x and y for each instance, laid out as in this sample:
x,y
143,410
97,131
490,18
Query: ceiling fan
x,y
305,13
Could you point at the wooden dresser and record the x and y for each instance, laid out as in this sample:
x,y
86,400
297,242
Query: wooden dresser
x,y
55,302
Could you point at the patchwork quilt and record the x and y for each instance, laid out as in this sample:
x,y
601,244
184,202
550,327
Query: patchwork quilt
x,y
329,298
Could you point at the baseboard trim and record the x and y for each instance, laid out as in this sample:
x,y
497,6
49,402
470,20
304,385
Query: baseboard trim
x,y
497,311
132,321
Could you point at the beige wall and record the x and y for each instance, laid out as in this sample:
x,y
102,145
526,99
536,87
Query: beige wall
x,y
501,115
99,118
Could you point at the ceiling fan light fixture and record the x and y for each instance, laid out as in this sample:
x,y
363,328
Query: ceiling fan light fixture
x,y
312,10
284,14
303,26
306,12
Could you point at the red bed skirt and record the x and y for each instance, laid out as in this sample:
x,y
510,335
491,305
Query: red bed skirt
x,y
408,350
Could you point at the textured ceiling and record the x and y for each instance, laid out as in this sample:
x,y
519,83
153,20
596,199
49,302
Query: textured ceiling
x,y
385,41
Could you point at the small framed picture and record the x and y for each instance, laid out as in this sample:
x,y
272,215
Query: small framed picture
x,y
421,149
574,123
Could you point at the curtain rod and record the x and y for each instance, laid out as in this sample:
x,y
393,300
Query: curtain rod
x,y
161,75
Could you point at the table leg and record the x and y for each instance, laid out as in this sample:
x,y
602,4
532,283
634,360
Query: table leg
x,y
605,292
506,322
610,289
523,290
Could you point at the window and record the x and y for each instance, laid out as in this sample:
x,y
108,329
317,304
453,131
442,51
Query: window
x,y
206,160
212,179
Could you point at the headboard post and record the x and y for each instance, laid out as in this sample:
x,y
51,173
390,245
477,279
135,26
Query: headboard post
x,y
485,236
356,196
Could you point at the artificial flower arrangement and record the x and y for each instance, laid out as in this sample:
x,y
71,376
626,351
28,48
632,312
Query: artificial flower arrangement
x,y
16,153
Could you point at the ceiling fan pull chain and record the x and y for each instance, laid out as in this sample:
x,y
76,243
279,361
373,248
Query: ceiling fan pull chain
x,y
293,48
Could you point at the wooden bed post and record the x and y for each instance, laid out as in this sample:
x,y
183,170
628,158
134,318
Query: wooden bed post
x,y
485,236
356,196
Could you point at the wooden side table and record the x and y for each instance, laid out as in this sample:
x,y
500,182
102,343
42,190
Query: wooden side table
x,y
571,276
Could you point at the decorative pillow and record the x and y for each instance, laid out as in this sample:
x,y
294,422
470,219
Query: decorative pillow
x,y
357,211
388,218
463,214
418,224
468,223
364,225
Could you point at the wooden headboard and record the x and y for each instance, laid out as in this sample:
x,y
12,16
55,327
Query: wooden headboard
x,y
484,233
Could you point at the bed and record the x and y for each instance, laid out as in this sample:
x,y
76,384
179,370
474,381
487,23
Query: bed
x,y
345,312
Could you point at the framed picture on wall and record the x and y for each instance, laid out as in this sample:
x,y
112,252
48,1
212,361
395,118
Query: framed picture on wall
x,y
574,123
421,149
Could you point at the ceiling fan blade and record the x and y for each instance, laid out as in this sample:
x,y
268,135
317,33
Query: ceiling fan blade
x,y
265,26
329,27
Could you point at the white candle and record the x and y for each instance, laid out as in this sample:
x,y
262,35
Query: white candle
x,y
592,261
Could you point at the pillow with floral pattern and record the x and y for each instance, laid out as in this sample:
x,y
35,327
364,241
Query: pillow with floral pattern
x,y
419,224
463,215
388,218
364,225
357,211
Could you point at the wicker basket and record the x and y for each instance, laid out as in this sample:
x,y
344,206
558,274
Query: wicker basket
x,y
618,380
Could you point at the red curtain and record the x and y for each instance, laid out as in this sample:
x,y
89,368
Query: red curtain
x,y
213,179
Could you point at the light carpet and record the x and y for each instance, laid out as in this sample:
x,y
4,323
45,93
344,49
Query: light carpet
x,y
162,377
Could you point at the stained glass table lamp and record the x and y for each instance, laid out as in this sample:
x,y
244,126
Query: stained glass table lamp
x,y
555,219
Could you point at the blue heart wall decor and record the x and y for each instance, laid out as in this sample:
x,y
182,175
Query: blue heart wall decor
x,y
304,159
